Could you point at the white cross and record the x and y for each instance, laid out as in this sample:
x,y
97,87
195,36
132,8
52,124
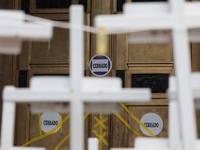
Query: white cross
x,y
174,17
14,30
77,90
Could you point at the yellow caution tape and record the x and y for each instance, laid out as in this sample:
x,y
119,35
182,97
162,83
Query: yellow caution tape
x,y
100,122
101,137
63,140
137,120
68,135
47,133
127,125
101,132
86,115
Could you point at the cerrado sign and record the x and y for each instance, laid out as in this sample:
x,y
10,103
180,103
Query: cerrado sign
x,y
49,120
100,65
153,122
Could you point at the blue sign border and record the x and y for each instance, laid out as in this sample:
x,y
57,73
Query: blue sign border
x,y
100,74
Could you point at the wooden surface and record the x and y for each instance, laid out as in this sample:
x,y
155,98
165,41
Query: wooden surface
x,y
139,111
195,54
150,52
120,49
56,50
51,141
118,131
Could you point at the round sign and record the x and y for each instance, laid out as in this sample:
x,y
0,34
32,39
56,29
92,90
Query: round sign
x,y
100,65
153,122
50,120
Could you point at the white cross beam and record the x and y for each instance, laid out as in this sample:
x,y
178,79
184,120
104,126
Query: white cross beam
x,y
175,16
14,30
77,90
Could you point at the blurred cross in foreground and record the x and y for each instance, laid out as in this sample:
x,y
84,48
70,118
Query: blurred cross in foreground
x,y
82,93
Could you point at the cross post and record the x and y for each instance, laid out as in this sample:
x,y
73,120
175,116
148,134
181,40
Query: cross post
x,y
76,77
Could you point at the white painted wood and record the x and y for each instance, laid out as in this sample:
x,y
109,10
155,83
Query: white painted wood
x,y
24,95
58,92
174,126
142,95
174,119
151,143
185,98
195,84
8,125
150,8
11,15
49,83
14,30
93,144
150,19
26,31
76,75
94,84
60,107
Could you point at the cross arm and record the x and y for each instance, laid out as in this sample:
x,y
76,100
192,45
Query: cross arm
x,y
124,95
195,85
151,22
110,90
192,14
12,25
13,30
138,16
24,95
26,31
124,23
151,143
